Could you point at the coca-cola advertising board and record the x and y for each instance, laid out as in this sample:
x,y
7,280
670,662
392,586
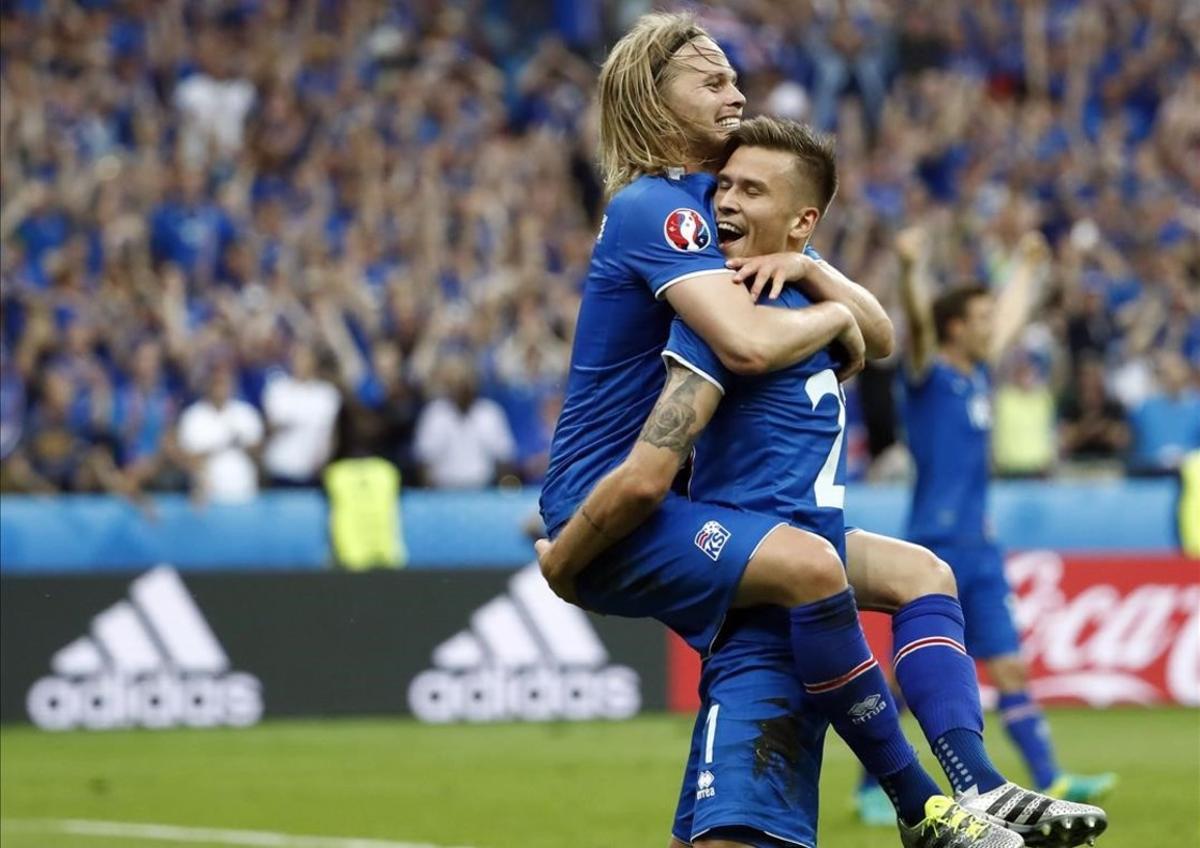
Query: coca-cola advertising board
x,y
1095,630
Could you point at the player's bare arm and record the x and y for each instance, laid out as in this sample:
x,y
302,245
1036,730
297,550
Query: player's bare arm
x,y
752,339
630,493
912,250
821,282
1020,295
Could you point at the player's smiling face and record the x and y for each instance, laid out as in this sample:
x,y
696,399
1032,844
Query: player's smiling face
x,y
760,204
702,92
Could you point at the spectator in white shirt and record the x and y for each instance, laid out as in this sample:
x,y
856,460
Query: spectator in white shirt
x,y
213,102
300,409
462,441
219,435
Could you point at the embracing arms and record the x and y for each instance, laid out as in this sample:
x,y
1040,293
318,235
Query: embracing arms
x,y
824,283
631,492
627,495
751,339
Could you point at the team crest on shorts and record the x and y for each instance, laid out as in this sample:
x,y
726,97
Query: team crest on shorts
x,y
711,539
686,230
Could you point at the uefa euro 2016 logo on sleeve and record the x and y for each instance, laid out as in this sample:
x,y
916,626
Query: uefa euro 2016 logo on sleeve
x,y
711,539
686,230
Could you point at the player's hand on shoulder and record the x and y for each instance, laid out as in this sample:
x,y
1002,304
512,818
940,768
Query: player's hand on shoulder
x,y
562,585
771,271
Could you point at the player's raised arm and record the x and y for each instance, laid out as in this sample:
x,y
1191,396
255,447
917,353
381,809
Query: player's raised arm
x,y
751,339
1020,294
627,495
912,248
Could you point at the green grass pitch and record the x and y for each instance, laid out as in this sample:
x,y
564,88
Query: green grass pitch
x,y
518,786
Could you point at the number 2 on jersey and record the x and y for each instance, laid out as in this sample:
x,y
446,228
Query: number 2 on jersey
x,y
828,493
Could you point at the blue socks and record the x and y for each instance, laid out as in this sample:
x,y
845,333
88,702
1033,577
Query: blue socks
x,y
965,761
845,682
1027,727
938,680
909,789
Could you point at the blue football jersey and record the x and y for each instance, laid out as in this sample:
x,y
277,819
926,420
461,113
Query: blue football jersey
x,y
949,420
775,444
655,232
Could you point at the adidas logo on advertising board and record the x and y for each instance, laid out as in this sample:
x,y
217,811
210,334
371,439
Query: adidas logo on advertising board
x,y
526,655
151,661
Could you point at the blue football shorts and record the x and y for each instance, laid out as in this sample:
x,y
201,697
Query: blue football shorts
x,y
682,567
985,596
755,762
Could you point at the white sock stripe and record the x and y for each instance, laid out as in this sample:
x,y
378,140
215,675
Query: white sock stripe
x,y
838,682
928,642
1022,712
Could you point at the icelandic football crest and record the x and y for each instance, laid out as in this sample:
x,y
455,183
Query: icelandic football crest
x,y
686,230
711,539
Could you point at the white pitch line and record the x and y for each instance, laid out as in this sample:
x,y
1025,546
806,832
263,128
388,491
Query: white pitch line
x,y
217,836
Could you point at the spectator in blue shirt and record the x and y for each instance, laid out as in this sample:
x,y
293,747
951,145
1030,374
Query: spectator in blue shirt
x,y
1167,424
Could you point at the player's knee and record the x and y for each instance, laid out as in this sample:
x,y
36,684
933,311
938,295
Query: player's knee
x,y
917,573
801,573
937,578
1009,673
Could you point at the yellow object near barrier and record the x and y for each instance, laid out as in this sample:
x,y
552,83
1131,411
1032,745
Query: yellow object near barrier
x,y
1189,504
364,514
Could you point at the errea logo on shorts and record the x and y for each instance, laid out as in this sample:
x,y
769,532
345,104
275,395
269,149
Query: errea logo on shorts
x,y
712,538
704,785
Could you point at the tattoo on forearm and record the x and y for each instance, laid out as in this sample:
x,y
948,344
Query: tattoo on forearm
x,y
672,421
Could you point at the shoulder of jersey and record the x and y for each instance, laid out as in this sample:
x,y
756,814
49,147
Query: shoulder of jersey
x,y
652,187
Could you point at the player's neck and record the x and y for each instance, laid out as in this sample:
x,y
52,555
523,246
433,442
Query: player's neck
x,y
696,167
957,359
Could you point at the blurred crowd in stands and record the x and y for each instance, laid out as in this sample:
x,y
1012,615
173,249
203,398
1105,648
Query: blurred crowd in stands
x,y
243,237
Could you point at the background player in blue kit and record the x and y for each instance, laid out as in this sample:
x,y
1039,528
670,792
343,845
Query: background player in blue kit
x,y
955,339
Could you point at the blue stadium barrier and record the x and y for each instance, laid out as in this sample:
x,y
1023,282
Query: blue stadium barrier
x,y
288,530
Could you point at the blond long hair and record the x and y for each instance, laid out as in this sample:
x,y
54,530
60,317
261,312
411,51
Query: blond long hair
x,y
639,134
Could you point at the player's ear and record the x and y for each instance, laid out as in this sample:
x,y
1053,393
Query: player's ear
x,y
804,223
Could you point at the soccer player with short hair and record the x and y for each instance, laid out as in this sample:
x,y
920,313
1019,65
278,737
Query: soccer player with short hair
x,y
690,562
774,444
955,339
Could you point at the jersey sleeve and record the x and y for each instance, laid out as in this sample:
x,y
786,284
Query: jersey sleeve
x,y
689,350
664,236
811,253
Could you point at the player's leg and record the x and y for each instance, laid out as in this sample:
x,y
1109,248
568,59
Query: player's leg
x,y
735,840
801,571
758,759
992,638
991,635
938,681
935,675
